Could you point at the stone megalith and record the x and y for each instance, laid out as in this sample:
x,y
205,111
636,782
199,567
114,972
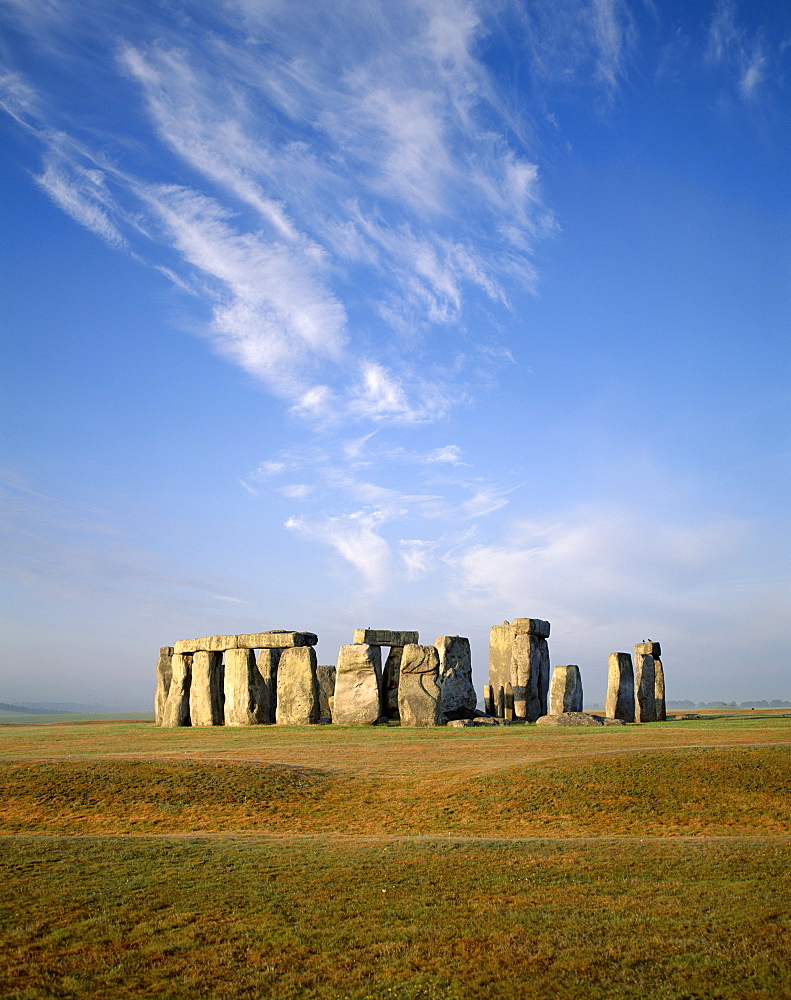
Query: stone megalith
x,y
455,677
620,687
267,664
297,687
325,674
390,679
644,693
508,714
419,692
526,659
177,706
164,672
501,654
246,691
565,693
488,699
206,690
358,685
544,674
654,649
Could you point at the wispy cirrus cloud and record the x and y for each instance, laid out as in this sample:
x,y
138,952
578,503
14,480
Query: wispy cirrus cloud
x,y
743,51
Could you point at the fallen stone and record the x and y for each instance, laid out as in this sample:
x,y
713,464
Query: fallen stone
x,y
206,689
298,688
390,678
247,693
419,692
620,687
612,722
566,690
383,637
164,671
455,677
275,639
686,716
570,719
358,685
461,723
644,685
659,690
325,674
177,705
485,721
650,648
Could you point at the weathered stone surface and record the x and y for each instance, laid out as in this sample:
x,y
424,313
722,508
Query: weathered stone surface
x,y
570,719
531,626
659,690
651,648
383,637
358,685
620,687
544,672
455,677
206,689
177,705
485,721
565,693
325,674
164,670
298,687
508,714
612,722
501,638
267,664
488,699
526,660
390,679
247,694
276,639
419,692
460,723
644,696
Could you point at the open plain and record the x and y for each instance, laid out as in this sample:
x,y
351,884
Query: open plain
x,y
649,861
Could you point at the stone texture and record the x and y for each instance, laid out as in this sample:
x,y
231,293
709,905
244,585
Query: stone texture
x,y
267,664
570,719
455,677
247,694
488,699
206,689
659,690
177,705
644,696
651,648
485,721
526,657
358,685
298,687
531,626
419,692
566,690
544,673
508,714
325,674
501,638
276,639
383,637
620,687
390,679
164,670
460,723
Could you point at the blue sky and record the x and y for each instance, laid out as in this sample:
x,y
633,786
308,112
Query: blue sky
x,y
420,315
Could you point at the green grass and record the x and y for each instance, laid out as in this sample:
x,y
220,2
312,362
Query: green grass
x,y
637,862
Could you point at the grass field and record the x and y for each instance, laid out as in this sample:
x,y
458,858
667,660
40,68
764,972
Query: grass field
x,y
645,861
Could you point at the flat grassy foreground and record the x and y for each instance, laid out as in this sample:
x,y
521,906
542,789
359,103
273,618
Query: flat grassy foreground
x,y
648,861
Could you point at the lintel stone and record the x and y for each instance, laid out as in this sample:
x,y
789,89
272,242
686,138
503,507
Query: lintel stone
x,y
531,626
648,648
384,637
276,639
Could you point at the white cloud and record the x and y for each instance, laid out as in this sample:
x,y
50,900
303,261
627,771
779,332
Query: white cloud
x,y
731,45
418,556
355,537
450,453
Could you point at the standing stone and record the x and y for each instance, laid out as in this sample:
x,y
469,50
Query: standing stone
x,y
419,692
164,671
246,692
525,675
358,685
501,639
206,689
509,703
455,677
298,688
177,706
620,687
565,693
544,674
659,691
644,681
390,679
488,699
325,674
267,664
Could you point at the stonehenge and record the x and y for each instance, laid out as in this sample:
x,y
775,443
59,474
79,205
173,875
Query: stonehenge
x,y
220,681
